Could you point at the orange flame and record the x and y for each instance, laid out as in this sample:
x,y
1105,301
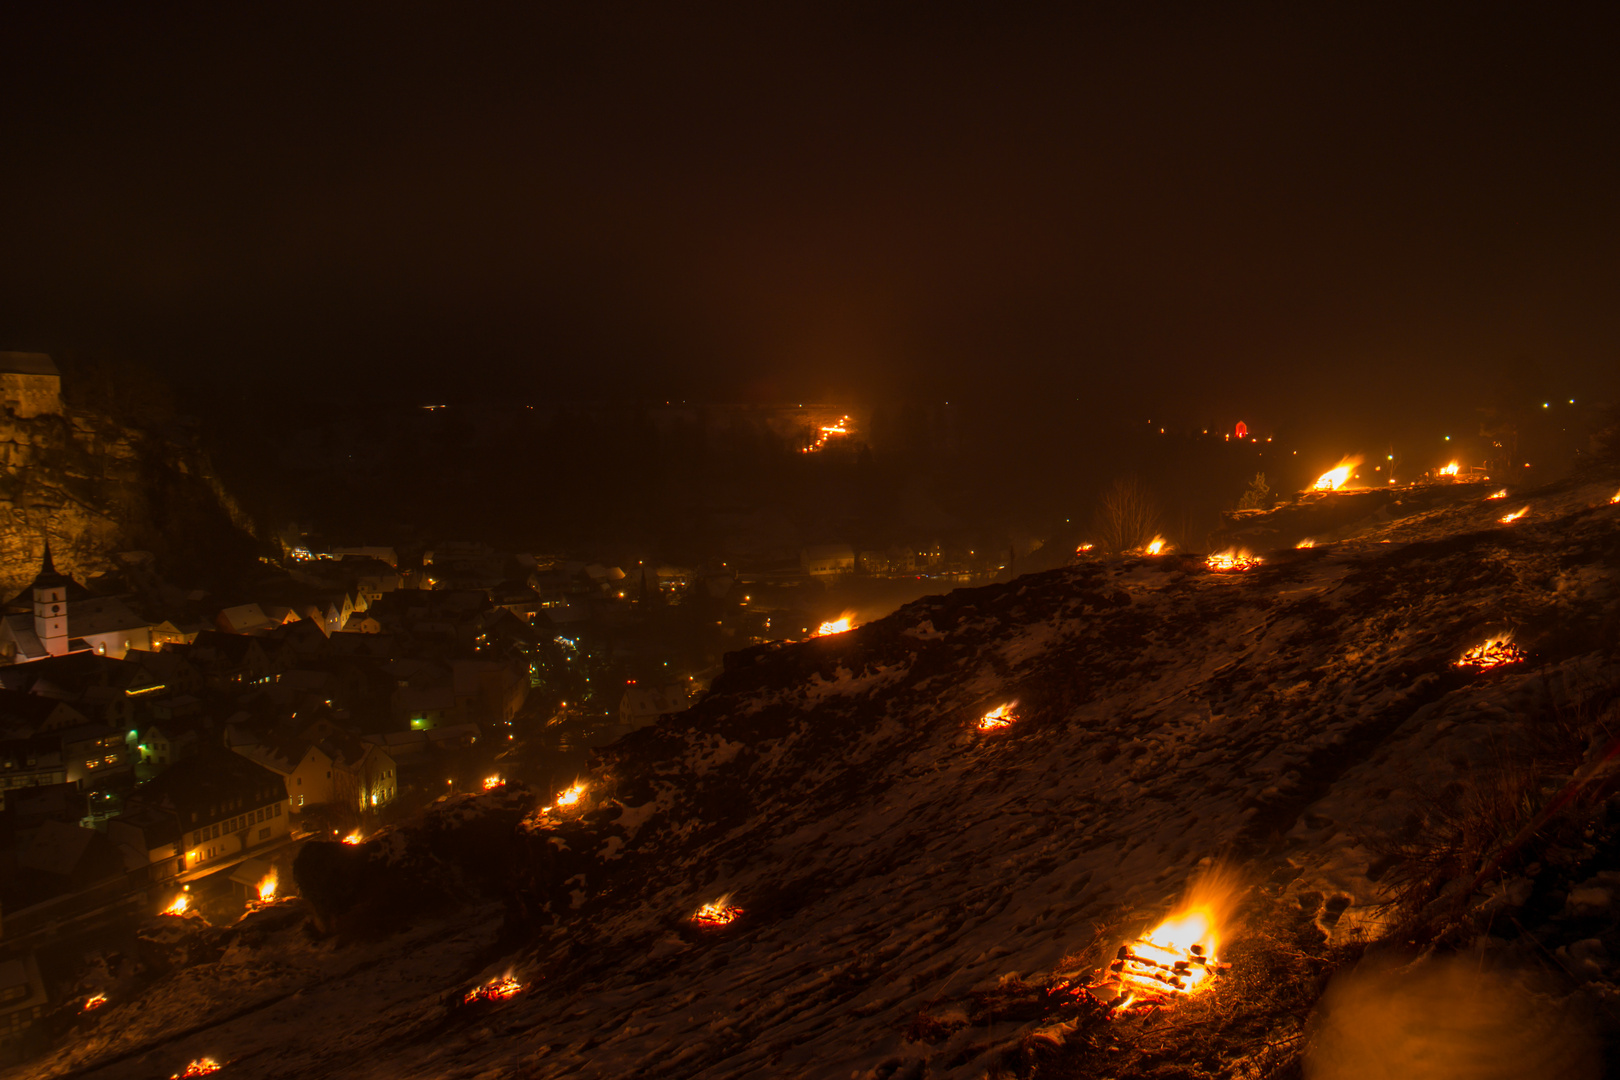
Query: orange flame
x,y
1448,470
827,432
1308,542
844,622
1178,956
495,990
1336,477
572,796
1002,716
1155,546
93,1002
178,905
1083,548
1229,560
267,886
1616,498
493,782
1508,519
353,838
1494,653
719,912
1498,494
199,1067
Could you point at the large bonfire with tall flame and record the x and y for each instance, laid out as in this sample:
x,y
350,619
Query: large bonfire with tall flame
x,y
1177,957
844,622
1336,477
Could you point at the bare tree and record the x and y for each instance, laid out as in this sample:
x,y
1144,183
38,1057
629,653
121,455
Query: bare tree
x,y
1128,516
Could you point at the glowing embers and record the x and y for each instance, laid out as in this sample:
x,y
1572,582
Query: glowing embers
x,y
92,1003
1225,562
828,431
843,623
1508,519
1495,653
177,906
493,782
1498,494
717,913
999,718
1175,958
199,1067
1336,477
498,989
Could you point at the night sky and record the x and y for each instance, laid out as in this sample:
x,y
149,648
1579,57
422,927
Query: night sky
x,y
1174,209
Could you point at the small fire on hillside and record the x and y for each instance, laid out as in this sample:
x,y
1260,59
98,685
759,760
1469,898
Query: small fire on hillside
x,y
498,989
570,798
1498,494
1156,546
177,906
1336,477
1002,716
1173,959
199,1067
1448,470
493,782
1227,561
1308,542
92,1003
717,913
1508,519
1495,653
844,622
267,886
354,838
1616,498
828,431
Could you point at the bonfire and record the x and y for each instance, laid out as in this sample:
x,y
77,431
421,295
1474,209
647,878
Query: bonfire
x,y
1156,546
267,886
717,913
1308,542
844,622
1495,653
498,989
1227,561
1002,716
1616,498
1336,477
1508,519
570,798
199,1067
493,782
92,1003
1448,470
177,906
354,838
1502,494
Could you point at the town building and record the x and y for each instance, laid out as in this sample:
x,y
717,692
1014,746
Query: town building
x,y
65,618
30,385
203,813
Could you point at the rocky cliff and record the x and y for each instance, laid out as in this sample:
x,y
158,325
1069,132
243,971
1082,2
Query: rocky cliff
x,y
94,486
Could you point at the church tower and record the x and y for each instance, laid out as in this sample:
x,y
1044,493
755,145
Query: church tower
x,y
50,607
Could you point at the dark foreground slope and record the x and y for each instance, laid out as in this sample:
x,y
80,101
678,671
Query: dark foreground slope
x,y
916,892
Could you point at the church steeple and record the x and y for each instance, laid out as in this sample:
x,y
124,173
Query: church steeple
x,y
50,606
